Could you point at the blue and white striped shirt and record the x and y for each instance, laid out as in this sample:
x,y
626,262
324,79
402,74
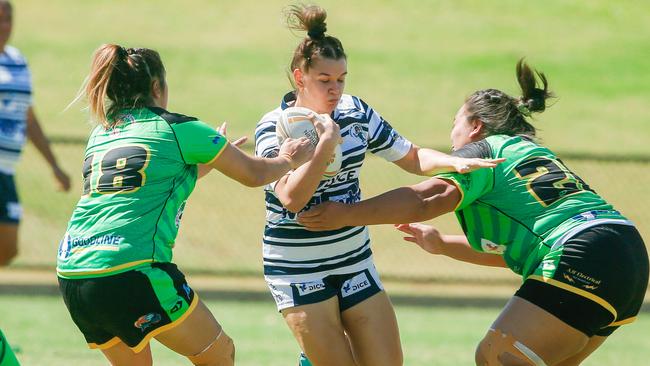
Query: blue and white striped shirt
x,y
288,248
15,100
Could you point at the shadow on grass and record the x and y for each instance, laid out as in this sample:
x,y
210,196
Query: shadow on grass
x,y
256,296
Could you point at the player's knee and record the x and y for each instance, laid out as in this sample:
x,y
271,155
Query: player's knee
x,y
221,352
500,349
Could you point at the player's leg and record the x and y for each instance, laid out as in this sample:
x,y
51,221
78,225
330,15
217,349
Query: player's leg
x,y
200,338
592,345
119,354
7,356
372,329
319,332
8,242
10,213
525,334
369,318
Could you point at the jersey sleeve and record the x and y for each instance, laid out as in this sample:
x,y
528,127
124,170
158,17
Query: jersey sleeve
x,y
471,185
477,183
384,141
198,142
266,141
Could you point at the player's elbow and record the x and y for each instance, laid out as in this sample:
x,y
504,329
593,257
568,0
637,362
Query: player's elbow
x,y
293,205
443,200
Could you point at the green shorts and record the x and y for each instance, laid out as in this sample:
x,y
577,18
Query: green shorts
x,y
131,307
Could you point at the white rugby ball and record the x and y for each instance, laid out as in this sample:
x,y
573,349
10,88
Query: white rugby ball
x,y
294,123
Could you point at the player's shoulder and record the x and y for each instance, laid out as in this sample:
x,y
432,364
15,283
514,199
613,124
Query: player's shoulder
x,y
171,117
351,106
270,117
14,56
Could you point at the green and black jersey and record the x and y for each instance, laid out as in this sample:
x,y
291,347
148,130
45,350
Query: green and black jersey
x,y
526,205
137,177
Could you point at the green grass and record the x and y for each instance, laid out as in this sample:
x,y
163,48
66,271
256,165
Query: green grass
x,y
440,336
413,60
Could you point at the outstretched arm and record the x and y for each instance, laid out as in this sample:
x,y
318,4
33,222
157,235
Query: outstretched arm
x,y
254,171
419,202
428,162
37,137
453,246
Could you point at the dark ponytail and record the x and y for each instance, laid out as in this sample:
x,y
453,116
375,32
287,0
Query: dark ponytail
x,y
311,18
121,78
502,114
532,98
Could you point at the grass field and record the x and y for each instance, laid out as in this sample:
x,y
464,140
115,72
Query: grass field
x,y
431,336
413,60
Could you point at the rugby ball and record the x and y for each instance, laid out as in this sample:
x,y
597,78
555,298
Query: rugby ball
x,y
294,123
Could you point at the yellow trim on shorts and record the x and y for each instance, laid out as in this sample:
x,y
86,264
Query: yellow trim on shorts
x,y
143,343
623,322
72,274
113,342
599,300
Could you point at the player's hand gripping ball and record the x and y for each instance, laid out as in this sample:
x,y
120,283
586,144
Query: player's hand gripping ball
x,y
295,123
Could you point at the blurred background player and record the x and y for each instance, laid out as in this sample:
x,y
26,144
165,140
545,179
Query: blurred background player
x,y
141,163
584,265
325,284
17,122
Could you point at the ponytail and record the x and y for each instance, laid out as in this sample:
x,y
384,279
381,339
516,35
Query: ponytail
x,y
311,19
121,78
502,114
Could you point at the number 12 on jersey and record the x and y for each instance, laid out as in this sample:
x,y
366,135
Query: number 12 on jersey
x,y
119,170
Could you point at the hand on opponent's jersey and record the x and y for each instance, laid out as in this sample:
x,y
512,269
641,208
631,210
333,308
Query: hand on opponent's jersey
x,y
328,215
466,165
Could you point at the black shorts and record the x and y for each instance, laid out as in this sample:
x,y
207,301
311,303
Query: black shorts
x,y
10,211
132,306
599,283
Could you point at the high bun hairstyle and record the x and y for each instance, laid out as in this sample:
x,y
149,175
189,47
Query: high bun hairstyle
x,y
121,78
311,18
502,114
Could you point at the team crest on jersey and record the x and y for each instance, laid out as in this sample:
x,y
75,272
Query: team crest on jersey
x,y
307,288
490,247
357,131
357,283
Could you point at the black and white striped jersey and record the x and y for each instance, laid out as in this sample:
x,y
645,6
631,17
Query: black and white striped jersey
x,y
288,248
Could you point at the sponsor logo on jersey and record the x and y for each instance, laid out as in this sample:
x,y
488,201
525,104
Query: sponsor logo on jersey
x,y
357,283
548,265
71,244
216,140
491,247
307,288
179,214
147,320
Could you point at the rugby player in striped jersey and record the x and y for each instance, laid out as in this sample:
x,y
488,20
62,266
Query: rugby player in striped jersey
x,y
325,284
